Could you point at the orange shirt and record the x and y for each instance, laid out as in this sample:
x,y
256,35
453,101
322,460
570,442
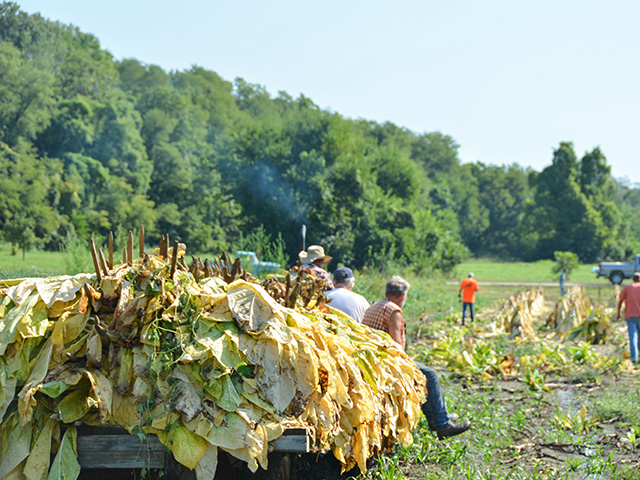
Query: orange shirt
x,y
630,295
469,286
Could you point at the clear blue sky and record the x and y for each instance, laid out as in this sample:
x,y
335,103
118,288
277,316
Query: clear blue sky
x,y
508,80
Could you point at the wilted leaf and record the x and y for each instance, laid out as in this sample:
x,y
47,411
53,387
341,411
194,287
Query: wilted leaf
x,y
65,465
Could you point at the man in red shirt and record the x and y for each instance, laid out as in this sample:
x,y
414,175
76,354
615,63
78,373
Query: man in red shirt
x,y
386,315
630,296
468,289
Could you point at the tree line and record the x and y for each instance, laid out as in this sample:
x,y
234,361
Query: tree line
x,y
90,144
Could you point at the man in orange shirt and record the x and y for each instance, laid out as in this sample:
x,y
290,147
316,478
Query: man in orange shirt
x,y
468,289
630,296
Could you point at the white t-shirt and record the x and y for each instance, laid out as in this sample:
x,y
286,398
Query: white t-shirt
x,y
349,302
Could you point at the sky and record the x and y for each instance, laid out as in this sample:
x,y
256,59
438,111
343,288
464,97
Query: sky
x,y
507,80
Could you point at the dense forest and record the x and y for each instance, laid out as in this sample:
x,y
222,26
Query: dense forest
x,y
90,144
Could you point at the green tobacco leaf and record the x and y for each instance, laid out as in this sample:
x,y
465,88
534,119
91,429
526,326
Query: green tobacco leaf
x,y
65,466
18,442
228,396
37,463
54,389
367,369
75,405
9,326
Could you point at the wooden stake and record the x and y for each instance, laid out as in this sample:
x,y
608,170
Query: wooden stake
x,y
110,250
130,248
103,263
174,258
94,256
141,240
164,246
195,271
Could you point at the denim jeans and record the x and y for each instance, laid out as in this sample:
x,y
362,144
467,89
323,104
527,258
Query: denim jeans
x,y
464,310
435,408
633,325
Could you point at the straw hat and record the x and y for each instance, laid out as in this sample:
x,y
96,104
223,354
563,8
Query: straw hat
x,y
313,253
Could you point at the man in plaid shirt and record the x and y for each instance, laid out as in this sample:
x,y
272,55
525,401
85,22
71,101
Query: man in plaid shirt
x,y
386,315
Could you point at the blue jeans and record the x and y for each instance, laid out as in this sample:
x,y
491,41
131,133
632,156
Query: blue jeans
x,y
435,408
562,290
633,325
464,310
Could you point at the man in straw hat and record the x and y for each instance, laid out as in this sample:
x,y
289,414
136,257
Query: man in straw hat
x,y
630,296
312,261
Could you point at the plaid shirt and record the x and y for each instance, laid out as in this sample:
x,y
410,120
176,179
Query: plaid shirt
x,y
378,315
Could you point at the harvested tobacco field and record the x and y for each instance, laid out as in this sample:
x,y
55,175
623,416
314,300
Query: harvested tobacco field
x,y
546,382
543,406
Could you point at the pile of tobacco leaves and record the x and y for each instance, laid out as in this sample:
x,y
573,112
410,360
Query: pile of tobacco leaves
x,y
204,357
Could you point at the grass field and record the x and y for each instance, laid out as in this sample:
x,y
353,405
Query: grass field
x,y
541,271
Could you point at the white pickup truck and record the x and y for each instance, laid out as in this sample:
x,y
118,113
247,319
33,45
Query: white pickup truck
x,y
617,271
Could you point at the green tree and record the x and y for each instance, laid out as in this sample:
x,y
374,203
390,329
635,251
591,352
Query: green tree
x,y
569,213
26,97
564,260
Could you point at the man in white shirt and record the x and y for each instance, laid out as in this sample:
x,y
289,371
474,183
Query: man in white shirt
x,y
343,298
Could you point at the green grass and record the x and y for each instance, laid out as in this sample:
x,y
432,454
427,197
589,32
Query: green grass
x,y
495,271
37,263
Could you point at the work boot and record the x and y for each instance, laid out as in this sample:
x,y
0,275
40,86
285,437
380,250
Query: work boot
x,y
452,428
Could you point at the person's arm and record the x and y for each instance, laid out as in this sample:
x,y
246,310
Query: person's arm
x,y
621,299
396,328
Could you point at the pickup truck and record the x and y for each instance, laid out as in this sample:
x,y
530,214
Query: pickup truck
x,y
250,261
617,271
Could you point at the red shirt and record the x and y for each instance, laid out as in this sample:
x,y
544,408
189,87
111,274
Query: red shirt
x,y
469,286
630,295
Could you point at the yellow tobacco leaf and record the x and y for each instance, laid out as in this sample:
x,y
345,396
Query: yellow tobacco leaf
x,y
37,464
124,375
63,288
102,387
66,329
187,401
36,323
187,448
208,464
229,434
124,410
163,417
257,445
361,446
252,307
94,349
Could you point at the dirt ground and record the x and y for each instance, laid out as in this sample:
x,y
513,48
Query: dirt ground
x,y
533,448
